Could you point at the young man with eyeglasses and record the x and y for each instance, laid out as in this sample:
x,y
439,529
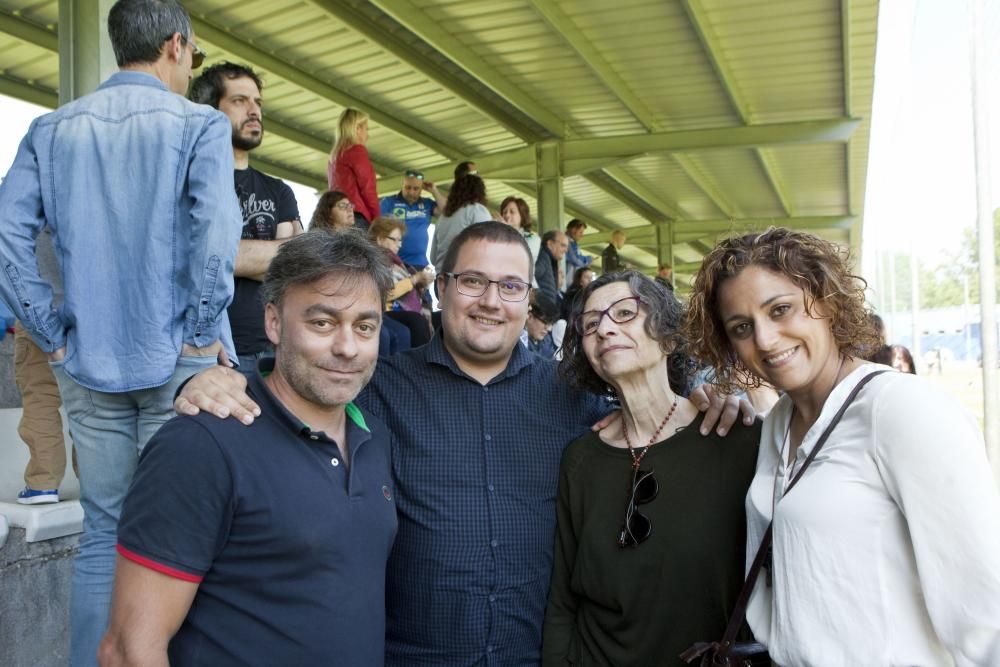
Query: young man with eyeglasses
x,y
416,211
270,212
134,181
479,424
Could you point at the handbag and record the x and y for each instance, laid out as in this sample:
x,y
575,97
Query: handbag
x,y
728,652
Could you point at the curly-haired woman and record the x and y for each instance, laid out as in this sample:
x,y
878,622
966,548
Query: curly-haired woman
x,y
886,550
466,206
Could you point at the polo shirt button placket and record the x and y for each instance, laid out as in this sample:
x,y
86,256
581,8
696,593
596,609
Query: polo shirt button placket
x,y
335,462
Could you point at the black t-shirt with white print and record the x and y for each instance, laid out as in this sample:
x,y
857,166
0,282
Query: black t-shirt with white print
x,y
265,201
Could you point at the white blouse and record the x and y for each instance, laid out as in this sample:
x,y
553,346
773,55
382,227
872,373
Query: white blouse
x,y
887,551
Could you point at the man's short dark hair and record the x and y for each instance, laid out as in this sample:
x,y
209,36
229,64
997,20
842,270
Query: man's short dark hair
x,y
138,28
575,223
463,169
210,85
550,235
545,310
319,253
494,232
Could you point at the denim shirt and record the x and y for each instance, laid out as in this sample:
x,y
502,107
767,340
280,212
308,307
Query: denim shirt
x,y
136,185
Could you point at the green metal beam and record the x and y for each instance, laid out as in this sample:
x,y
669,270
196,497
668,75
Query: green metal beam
x,y
377,34
685,231
668,209
709,187
614,188
713,50
229,42
26,31
29,92
417,21
288,173
751,136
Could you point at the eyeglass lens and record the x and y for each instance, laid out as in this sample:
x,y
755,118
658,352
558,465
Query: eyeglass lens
x,y
471,284
620,312
637,526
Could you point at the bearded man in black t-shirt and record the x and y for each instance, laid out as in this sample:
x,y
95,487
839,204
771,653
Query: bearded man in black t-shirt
x,y
270,212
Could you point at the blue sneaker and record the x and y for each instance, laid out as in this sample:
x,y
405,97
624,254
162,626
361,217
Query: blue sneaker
x,y
28,496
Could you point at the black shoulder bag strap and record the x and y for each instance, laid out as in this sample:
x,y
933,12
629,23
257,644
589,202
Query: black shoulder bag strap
x,y
737,618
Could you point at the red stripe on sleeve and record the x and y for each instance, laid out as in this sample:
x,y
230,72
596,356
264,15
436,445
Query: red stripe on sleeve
x,y
162,569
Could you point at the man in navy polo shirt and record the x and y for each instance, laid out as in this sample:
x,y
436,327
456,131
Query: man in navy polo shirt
x,y
416,211
268,545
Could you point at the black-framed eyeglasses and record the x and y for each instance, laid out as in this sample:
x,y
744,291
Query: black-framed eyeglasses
x,y
344,205
410,173
475,284
620,312
197,55
637,527
394,239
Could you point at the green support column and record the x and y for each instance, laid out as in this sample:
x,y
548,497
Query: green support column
x,y
85,54
550,190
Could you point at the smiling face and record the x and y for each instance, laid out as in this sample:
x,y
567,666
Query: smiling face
x,y
326,338
480,332
558,246
243,104
617,350
767,325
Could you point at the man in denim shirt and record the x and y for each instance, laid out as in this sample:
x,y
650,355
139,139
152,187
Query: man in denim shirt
x,y
135,183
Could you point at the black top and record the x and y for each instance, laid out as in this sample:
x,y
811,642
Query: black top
x,y
644,605
610,262
288,545
265,201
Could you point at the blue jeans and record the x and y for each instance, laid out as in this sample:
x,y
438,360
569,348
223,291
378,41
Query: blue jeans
x,y
109,431
248,362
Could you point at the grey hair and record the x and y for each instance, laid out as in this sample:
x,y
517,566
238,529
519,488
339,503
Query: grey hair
x,y
319,253
138,28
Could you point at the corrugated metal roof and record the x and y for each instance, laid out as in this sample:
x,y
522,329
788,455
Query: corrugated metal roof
x,y
452,79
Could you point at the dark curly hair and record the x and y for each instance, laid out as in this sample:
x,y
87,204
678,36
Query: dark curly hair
x,y
664,315
209,87
469,189
819,268
322,217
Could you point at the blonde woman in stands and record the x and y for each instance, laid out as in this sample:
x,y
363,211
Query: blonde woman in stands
x,y
350,170
887,549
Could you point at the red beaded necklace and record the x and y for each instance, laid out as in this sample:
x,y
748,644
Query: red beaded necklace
x,y
637,459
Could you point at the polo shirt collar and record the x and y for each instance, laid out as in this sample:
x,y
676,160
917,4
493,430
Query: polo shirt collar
x,y
436,353
357,427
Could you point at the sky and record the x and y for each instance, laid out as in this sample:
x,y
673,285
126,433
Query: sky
x,y
920,194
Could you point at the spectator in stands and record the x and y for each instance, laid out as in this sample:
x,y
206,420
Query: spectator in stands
x,y
537,334
350,170
334,211
464,169
298,567
575,260
642,484
890,541
270,212
581,278
146,248
610,261
665,276
554,246
41,426
479,424
405,299
466,206
416,211
516,213
896,356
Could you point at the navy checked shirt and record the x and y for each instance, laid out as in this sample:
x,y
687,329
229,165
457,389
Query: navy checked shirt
x,y
476,471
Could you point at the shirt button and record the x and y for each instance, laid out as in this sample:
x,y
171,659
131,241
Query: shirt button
x,y
491,488
493,598
314,437
489,649
484,388
335,462
489,437
494,543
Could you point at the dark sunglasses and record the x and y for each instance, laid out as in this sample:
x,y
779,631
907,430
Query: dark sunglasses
x,y
414,174
197,55
637,527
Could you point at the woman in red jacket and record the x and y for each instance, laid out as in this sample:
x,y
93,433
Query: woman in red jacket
x,y
350,171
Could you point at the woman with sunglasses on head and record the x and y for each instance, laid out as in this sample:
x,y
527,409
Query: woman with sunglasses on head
x,y
651,527
887,549
333,211
350,169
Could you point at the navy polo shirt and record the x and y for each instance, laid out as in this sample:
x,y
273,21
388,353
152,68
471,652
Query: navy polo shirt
x,y
417,217
476,470
288,545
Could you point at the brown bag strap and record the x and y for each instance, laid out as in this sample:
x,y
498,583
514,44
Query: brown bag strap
x,y
739,612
